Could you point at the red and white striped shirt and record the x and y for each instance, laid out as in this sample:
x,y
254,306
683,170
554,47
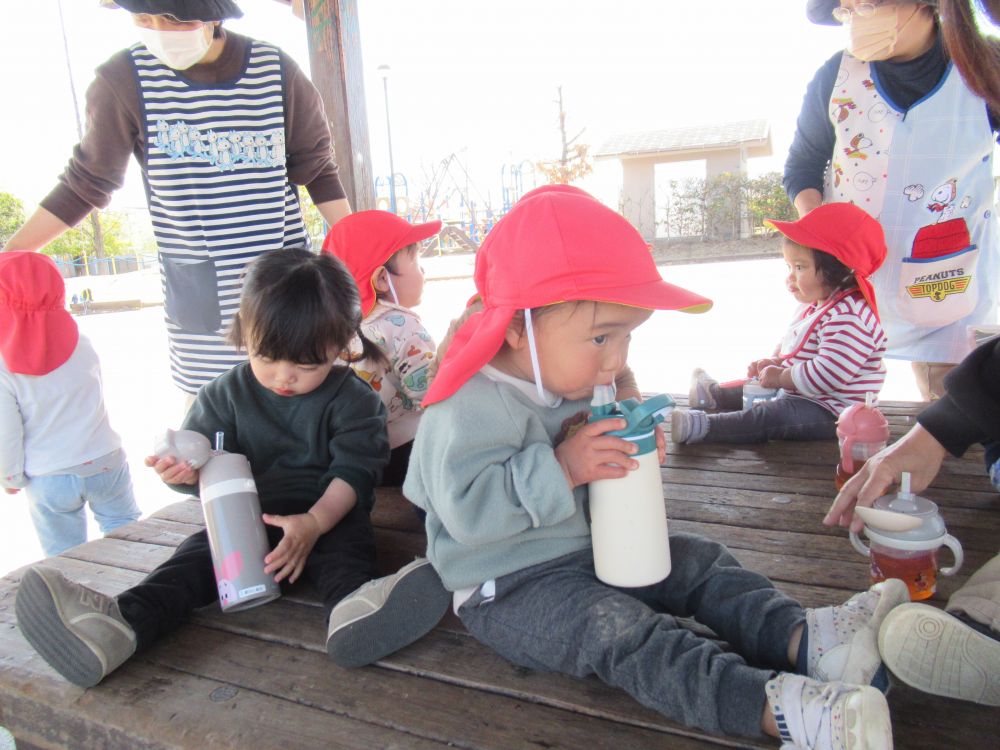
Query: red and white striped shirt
x,y
841,358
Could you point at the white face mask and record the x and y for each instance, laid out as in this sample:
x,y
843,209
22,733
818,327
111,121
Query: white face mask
x,y
176,49
872,38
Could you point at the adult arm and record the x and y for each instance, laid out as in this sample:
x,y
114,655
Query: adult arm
x,y
309,147
99,161
40,229
812,145
968,413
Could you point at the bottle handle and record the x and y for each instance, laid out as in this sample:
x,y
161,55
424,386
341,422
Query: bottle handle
x,y
648,409
847,454
858,544
956,549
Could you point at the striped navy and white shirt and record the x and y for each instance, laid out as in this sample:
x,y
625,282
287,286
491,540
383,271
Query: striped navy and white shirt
x,y
218,194
841,359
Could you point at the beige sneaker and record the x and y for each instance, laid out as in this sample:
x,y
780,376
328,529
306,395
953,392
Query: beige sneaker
x,y
78,631
386,615
932,651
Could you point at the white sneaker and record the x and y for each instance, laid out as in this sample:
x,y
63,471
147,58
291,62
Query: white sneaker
x,y
843,639
932,651
700,392
828,715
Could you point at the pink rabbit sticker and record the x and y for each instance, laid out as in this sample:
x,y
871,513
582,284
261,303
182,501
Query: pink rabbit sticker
x,y
225,574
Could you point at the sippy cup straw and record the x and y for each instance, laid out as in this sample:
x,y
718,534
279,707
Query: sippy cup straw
x,y
220,438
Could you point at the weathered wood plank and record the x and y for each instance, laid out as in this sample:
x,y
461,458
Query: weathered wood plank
x,y
404,699
144,705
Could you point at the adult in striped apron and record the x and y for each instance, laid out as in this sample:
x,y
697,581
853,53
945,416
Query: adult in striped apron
x,y
902,136
224,128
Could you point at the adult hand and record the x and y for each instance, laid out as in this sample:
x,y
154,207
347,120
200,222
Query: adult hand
x,y
917,452
173,471
288,559
588,454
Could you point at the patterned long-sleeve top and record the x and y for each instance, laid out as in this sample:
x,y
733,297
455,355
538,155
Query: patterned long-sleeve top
x,y
398,332
841,358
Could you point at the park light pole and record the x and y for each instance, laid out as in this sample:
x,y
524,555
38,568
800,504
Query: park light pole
x,y
384,72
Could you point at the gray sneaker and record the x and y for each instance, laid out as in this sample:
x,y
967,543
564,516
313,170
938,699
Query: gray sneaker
x,y
932,651
386,615
78,631
700,391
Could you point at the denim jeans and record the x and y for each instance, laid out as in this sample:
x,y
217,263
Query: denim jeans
x,y
784,418
557,616
57,505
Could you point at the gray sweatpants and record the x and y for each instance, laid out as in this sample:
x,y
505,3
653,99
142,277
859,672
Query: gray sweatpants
x,y
559,617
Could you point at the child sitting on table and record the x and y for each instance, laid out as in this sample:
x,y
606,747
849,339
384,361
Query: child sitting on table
x,y
314,435
564,281
55,439
394,351
831,355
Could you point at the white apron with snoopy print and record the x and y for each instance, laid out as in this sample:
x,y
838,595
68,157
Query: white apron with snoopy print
x,y
927,176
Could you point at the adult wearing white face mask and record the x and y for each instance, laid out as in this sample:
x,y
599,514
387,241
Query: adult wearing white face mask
x,y
224,128
890,125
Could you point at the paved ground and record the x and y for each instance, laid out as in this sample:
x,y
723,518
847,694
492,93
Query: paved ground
x,y
750,311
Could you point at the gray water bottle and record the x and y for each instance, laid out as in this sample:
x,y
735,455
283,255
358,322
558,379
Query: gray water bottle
x,y
236,532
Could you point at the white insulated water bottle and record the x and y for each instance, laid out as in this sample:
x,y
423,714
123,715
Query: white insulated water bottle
x,y
236,532
628,516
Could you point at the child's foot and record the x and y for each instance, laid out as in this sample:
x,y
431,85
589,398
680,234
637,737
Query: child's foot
x,y
700,396
80,632
688,425
386,614
932,651
843,640
828,715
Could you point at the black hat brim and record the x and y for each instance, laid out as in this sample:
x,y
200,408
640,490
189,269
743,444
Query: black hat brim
x,y
184,10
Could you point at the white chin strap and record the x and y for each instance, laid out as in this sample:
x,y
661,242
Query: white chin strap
x,y
392,289
546,398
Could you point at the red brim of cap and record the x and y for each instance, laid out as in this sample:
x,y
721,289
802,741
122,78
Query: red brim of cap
x,y
482,335
37,342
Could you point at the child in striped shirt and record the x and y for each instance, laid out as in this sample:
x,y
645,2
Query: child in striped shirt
x,y
831,354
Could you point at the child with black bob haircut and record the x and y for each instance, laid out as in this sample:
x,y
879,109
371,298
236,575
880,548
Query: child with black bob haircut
x,y
315,437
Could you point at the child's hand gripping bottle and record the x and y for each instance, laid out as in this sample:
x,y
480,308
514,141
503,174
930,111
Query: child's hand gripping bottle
x,y
236,533
862,432
628,517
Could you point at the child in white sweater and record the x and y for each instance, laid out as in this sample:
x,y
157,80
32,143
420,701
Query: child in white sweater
x,y
55,439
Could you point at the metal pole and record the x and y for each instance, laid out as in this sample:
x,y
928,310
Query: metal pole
x,y
388,131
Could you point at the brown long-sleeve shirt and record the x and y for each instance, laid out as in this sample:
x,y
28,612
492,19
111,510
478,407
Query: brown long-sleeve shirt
x,y
115,130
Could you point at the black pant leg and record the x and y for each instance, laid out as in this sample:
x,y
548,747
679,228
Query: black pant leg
x,y
161,601
343,558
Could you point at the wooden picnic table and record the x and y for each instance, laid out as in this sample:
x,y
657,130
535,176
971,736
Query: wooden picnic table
x,y
261,679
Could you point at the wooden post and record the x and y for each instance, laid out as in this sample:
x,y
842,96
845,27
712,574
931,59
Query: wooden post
x,y
337,71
